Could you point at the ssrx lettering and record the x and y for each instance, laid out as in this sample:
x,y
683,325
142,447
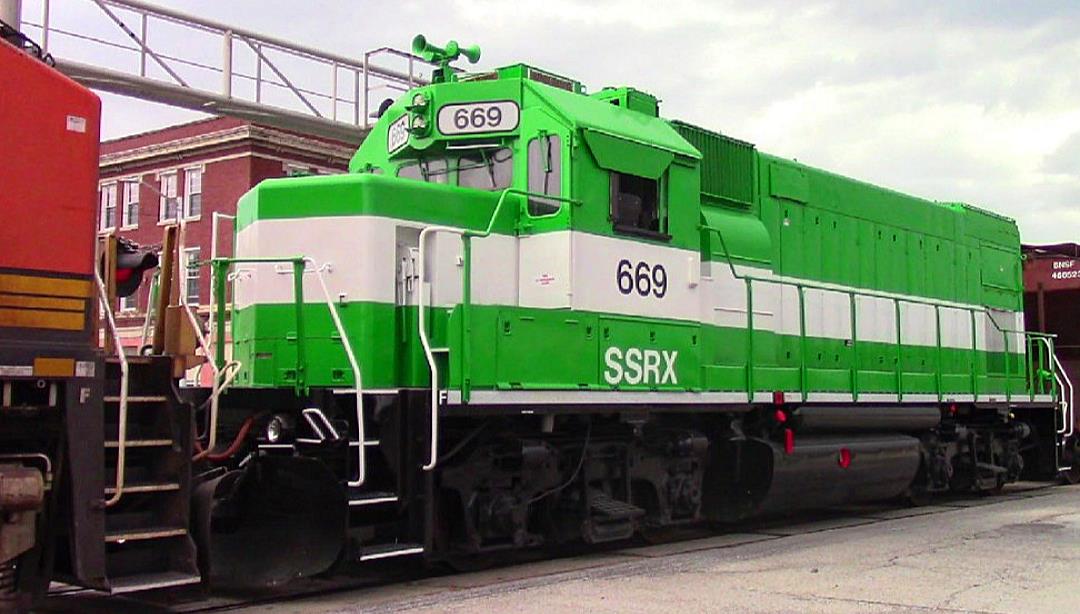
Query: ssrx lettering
x,y
637,366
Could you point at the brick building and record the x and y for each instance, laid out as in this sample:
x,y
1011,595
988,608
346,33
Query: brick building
x,y
194,170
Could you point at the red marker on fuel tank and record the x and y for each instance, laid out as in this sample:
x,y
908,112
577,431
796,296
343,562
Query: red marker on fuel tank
x,y
844,458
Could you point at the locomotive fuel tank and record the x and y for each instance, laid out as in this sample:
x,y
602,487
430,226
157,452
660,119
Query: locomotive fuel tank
x,y
826,470
846,419
761,476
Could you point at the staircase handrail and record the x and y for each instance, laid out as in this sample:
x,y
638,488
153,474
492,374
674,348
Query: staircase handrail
x,y
121,437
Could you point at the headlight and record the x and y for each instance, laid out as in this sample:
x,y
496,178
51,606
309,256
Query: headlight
x,y
419,124
280,429
274,430
419,101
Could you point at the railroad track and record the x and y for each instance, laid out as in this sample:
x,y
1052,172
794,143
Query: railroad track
x,y
193,600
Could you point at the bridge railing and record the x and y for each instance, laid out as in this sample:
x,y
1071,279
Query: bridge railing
x,y
138,49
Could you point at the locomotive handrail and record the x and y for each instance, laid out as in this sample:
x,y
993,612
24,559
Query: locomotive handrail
x,y
361,467
466,303
151,300
121,436
1061,377
221,266
1066,431
214,228
429,354
223,376
852,293
299,268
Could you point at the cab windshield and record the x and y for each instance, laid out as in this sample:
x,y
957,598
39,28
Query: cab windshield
x,y
482,169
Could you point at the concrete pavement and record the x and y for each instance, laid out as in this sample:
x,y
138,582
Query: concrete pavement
x,y
1013,553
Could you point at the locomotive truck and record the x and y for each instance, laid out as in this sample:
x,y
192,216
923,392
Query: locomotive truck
x,y
531,315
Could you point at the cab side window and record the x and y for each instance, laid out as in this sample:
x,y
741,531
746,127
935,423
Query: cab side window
x,y
636,205
545,173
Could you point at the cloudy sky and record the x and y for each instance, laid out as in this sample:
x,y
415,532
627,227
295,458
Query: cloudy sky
x,y
977,101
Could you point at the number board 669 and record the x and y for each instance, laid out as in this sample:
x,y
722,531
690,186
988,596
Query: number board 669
x,y
477,117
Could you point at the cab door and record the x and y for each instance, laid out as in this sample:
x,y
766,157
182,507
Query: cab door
x,y
544,246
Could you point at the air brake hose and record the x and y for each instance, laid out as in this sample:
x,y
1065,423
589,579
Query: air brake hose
x,y
229,452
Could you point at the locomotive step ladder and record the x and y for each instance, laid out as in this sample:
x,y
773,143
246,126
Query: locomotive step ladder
x,y
368,494
379,497
147,544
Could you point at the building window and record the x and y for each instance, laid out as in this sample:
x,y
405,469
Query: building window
x,y
107,217
168,207
297,170
129,303
130,216
193,192
635,205
191,268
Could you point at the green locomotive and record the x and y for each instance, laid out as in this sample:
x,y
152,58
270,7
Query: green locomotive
x,y
531,315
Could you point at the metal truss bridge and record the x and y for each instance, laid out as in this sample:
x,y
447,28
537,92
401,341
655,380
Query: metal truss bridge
x,y
144,51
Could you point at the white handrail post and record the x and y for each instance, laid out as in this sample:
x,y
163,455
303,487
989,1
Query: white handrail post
x,y
1068,427
429,353
227,64
215,220
354,365
151,298
1066,387
45,26
426,343
121,437
223,376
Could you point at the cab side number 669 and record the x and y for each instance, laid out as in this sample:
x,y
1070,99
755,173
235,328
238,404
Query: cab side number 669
x,y
642,278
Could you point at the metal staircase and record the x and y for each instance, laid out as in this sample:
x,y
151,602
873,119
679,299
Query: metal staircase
x,y
147,544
